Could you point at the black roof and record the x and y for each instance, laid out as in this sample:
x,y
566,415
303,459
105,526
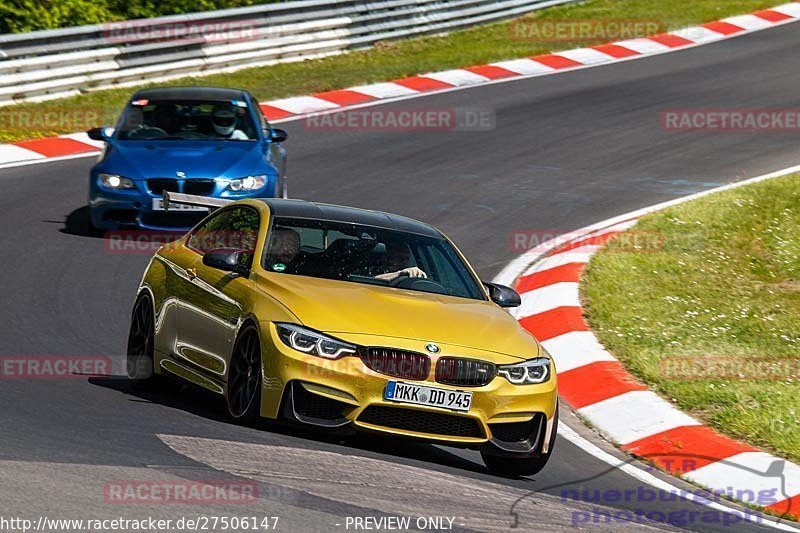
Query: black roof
x,y
190,93
348,215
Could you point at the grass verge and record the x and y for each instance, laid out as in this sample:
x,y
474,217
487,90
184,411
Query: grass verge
x,y
724,283
386,61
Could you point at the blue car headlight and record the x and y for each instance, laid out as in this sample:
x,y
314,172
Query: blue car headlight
x,y
527,372
115,181
312,342
248,183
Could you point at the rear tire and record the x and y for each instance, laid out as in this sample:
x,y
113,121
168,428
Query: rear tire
x,y
522,466
141,344
244,377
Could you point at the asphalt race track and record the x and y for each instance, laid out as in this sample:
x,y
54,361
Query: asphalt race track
x,y
567,150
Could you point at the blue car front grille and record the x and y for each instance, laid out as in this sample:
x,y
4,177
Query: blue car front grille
x,y
200,187
159,185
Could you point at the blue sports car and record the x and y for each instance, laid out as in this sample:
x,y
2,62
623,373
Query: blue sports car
x,y
194,140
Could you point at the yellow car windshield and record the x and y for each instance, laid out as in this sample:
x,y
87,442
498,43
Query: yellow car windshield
x,y
370,255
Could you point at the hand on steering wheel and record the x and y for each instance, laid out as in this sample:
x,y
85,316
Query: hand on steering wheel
x,y
415,279
413,272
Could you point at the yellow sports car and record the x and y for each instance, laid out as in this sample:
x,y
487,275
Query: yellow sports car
x,y
332,316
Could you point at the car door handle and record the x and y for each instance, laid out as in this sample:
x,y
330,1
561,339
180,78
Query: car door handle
x,y
192,273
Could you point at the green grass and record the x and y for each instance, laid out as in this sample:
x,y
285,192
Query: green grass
x,y
386,61
725,284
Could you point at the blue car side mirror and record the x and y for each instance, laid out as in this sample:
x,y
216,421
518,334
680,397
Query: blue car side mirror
x,y
100,134
277,135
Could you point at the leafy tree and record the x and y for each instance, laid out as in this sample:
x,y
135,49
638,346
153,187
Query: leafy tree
x,y
27,15
17,16
135,9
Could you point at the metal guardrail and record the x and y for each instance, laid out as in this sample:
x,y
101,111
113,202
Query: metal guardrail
x,y
56,63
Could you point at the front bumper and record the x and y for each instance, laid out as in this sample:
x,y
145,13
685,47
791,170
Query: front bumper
x,y
509,419
133,208
120,214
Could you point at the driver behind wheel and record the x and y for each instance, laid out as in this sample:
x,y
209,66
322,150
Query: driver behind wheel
x,y
224,121
283,250
400,262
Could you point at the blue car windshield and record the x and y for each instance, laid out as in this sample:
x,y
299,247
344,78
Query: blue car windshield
x,y
186,119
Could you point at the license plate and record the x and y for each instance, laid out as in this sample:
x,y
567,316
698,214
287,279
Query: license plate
x,y
158,205
397,391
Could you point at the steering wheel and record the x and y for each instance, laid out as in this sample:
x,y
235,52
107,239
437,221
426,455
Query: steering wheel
x,y
419,284
148,131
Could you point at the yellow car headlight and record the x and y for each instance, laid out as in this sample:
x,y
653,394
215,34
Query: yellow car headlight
x,y
527,372
312,342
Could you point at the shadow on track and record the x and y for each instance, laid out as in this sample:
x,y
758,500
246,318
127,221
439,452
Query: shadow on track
x,y
79,223
195,400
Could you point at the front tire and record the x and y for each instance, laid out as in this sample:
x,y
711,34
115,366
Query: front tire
x,y
91,228
521,466
244,377
141,342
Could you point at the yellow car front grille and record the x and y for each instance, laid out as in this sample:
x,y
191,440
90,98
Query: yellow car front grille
x,y
419,421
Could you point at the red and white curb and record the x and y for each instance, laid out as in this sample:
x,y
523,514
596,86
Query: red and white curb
x,y
599,388
48,149
285,109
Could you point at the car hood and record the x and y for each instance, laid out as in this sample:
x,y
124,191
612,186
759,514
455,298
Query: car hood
x,y
341,308
197,159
